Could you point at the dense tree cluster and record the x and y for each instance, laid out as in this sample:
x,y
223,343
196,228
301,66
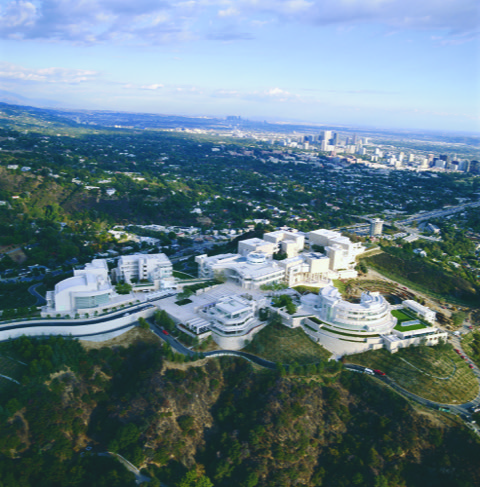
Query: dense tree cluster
x,y
218,424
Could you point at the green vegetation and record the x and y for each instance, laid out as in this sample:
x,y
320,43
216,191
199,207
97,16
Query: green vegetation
x,y
143,323
182,275
123,288
418,326
458,318
341,285
436,373
274,286
278,343
162,319
193,288
320,425
307,289
402,317
183,302
15,296
285,301
425,277
471,345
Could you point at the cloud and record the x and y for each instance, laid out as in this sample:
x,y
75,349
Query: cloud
x,y
46,75
226,35
228,12
151,87
271,94
171,21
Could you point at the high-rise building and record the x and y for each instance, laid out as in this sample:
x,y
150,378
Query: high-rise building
x,y
376,227
327,135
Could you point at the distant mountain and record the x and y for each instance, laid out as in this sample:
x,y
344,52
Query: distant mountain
x,y
15,99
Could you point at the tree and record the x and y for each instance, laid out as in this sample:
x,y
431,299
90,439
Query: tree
x,y
143,323
162,319
458,318
191,479
123,288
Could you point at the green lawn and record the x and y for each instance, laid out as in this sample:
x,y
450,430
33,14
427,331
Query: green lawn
x,y
182,275
340,285
436,373
399,327
402,317
281,344
304,289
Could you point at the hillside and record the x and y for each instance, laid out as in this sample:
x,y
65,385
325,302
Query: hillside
x,y
216,419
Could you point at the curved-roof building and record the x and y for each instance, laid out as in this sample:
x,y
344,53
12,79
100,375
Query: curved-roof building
x,y
346,327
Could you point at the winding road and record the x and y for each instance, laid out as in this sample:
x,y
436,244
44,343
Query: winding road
x,y
462,410
33,291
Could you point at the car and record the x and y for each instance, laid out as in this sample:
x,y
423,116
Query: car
x,y
379,372
470,365
457,350
165,332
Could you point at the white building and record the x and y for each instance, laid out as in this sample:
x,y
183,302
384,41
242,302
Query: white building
x,y
341,251
344,327
254,264
288,243
89,290
145,271
248,272
424,336
233,320
423,311
376,227
256,245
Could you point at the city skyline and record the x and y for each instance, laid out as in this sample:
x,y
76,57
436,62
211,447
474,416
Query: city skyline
x,y
372,63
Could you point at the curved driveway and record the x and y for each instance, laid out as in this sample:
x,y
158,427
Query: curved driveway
x,y
33,291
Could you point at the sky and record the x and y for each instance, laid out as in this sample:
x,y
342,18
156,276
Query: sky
x,y
412,64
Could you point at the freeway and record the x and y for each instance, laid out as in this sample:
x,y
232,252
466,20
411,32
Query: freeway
x,y
438,213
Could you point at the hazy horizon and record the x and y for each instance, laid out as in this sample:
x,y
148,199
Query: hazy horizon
x,y
374,63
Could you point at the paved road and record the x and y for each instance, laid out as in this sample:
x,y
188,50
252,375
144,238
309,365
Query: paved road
x,y
178,347
438,213
139,478
33,291
463,410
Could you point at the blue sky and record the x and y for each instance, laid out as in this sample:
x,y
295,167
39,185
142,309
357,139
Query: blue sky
x,y
383,63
